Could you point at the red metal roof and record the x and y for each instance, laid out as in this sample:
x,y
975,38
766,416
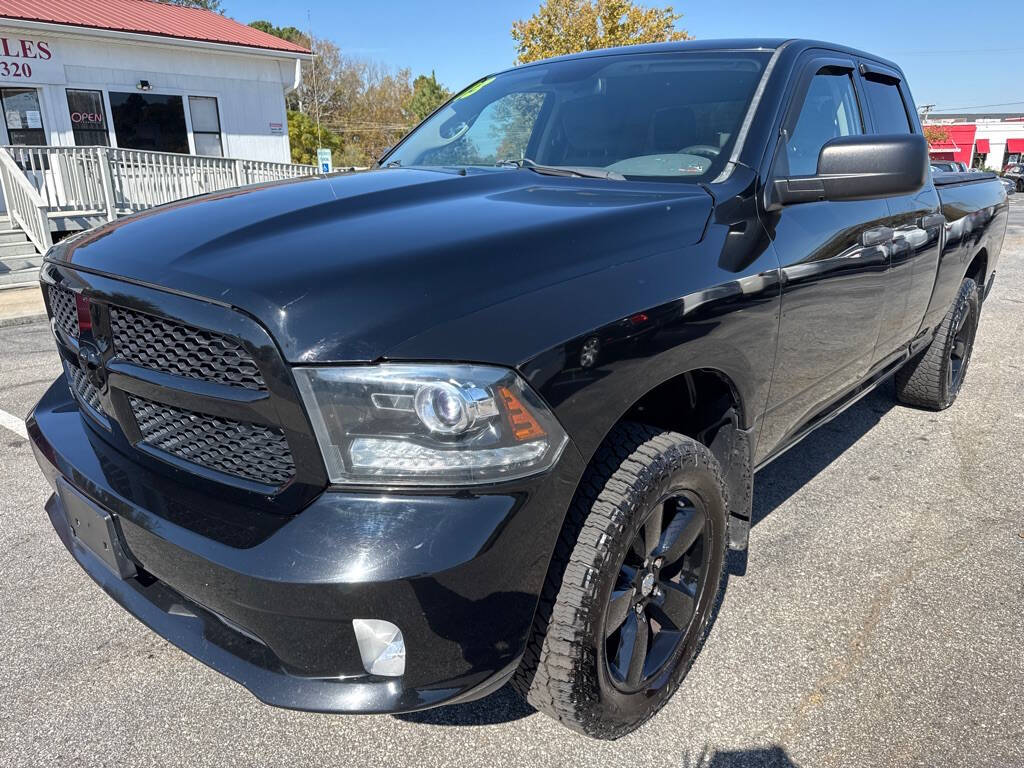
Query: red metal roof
x,y
148,18
981,146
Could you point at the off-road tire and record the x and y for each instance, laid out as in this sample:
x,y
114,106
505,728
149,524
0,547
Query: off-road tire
x,y
561,672
925,380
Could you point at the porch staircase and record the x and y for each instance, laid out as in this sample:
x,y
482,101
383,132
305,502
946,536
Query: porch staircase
x,y
19,259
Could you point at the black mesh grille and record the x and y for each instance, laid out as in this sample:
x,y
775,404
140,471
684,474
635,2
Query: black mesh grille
x,y
62,305
251,451
163,345
86,392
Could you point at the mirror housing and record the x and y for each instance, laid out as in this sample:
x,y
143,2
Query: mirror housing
x,y
858,168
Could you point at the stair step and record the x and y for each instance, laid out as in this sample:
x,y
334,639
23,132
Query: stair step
x,y
21,277
17,249
15,263
12,235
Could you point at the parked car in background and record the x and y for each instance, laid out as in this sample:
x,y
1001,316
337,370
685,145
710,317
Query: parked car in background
x,y
492,412
1009,185
1015,173
943,167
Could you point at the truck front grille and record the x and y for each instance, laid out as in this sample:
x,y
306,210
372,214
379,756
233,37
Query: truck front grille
x,y
171,347
83,388
62,307
251,451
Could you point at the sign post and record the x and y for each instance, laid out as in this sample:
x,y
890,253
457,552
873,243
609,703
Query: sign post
x,y
323,159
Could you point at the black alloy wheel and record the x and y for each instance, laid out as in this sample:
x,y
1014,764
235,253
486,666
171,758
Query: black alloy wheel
x,y
656,593
960,349
633,583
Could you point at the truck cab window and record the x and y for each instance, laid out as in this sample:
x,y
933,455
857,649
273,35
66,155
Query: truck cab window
x,y
830,110
887,107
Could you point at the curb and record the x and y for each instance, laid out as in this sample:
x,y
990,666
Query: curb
x,y
8,322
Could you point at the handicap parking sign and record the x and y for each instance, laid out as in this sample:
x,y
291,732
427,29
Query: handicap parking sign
x,y
323,159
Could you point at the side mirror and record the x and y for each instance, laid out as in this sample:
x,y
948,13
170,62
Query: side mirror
x,y
859,168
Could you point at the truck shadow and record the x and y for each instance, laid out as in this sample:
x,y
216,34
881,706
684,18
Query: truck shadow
x,y
774,485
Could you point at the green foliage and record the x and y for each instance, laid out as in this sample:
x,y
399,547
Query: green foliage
x,y
427,95
570,26
363,107
206,5
302,135
291,34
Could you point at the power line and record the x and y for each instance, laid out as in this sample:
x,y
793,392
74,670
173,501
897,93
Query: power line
x,y
959,52
978,106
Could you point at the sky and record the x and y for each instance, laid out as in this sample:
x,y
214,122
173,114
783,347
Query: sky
x,y
956,56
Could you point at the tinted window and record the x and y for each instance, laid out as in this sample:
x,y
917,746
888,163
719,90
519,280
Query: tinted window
x,y
645,116
88,118
149,121
887,108
829,111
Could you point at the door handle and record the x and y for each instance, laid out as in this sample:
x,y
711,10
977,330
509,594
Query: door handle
x,y
932,220
876,236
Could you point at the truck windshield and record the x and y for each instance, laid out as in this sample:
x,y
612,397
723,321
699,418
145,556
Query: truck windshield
x,y
665,116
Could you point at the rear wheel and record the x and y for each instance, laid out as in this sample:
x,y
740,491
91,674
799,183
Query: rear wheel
x,y
615,637
933,378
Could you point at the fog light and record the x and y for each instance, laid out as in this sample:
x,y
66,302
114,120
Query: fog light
x,y
381,647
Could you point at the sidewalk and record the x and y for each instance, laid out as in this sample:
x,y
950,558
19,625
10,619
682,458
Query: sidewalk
x,y
19,306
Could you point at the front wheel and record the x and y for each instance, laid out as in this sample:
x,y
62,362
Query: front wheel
x,y
934,377
616,636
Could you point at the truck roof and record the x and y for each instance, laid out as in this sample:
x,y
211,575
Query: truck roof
x,y
727,44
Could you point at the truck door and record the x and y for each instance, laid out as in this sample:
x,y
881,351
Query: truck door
x,y
915,220
834,259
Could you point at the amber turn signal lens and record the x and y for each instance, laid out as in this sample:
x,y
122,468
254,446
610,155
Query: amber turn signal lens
x,y
524,425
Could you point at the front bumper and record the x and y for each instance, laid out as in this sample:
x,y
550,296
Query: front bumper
x,y
268,599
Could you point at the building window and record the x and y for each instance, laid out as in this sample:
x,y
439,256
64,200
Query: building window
x,y
22,115
205,125
88,118
149,121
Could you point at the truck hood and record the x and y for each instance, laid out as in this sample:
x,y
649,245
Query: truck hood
x,y
346,268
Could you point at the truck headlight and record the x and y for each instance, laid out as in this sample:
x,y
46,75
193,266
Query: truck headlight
x,y
428,424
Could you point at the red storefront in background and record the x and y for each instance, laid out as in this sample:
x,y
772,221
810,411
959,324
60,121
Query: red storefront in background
x,y
958,146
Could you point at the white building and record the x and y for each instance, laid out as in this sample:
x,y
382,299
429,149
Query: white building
x,y
143,75
980,140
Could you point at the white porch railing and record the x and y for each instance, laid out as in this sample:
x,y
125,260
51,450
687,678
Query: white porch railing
x,y
113,182
25,205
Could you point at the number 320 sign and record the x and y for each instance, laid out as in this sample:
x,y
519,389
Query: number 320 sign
x,y
24,59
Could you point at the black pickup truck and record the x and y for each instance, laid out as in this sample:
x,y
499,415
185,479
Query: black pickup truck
x,y
492,412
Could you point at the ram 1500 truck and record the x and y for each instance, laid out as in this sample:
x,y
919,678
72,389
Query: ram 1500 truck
x,y
492,411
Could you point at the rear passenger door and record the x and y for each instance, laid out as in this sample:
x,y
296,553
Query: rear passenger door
x,y
915,219
834,258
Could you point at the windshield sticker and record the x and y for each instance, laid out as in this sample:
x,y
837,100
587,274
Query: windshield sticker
x,y
474,88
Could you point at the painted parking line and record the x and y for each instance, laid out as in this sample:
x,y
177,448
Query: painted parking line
x,y
13,423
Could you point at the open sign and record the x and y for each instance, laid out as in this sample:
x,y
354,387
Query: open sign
x,y
87,117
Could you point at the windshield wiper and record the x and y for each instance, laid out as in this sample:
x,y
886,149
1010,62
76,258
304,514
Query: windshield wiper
x,y
562,170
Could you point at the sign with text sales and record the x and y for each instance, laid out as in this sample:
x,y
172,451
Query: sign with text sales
x,y
26,60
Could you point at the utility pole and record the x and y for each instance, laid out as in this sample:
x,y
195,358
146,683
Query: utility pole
x,y
316,96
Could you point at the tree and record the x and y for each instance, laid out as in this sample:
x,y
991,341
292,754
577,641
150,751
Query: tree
x,y
206,5
935,134
291,34
427,95
570,26
303,136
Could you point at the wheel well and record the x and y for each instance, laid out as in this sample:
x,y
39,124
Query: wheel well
x,y
705,405
978,270
696,404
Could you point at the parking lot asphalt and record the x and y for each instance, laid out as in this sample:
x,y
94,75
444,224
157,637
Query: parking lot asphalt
x,y
880,621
